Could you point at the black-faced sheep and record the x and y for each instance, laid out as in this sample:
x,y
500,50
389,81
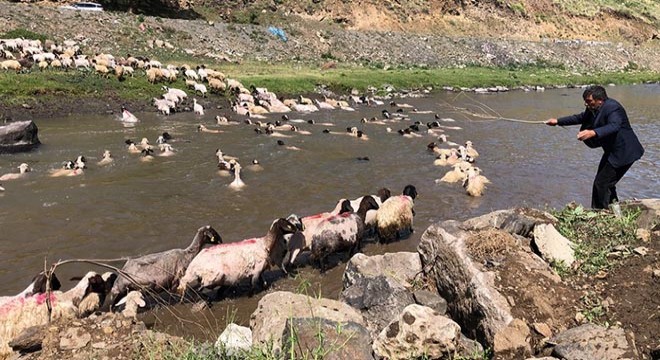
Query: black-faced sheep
x,y
161,271
395,217
340,232
229,264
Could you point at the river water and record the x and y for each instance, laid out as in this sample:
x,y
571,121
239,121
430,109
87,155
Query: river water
x,y
133,208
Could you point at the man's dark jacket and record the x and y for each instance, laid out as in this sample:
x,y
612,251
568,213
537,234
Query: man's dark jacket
x,y
613,132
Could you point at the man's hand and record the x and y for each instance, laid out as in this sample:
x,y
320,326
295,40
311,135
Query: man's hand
x,y
585,134
551,122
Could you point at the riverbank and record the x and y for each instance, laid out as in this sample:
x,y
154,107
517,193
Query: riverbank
x,y
315,54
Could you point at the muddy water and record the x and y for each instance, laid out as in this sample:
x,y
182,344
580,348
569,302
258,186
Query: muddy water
x,y
134,208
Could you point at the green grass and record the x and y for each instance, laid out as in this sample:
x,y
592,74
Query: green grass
x,y
595,235
645,10
291,79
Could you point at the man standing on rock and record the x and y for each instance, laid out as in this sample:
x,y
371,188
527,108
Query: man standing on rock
x,y
604,123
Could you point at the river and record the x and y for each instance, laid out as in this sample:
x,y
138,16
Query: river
x,y
133,207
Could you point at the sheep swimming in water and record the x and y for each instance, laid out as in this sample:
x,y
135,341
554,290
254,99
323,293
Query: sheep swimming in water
x,y
475,184
163,270
106,160
23,170
395,216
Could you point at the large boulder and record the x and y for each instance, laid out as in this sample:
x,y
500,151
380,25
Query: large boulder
x,y
268,321
311,338
591,341
18,136
381,286
486,269
650,213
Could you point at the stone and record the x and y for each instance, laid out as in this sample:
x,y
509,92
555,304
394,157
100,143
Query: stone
x,y
339,340
268,321
74,338
552,245
418,331
234,339
380,299
512,340
29,340
643,234
641,250
404,267
543,329
19,136
430,299
591,341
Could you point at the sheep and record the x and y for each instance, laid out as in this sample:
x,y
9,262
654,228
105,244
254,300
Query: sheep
x,y
395,216
23,170
20,314
68,168
161,271
166,150
165,106
238,183
198,108
147,154
370,218
129,304
458,173
340,232
203,128
217,85
229,264
177,92
470,150
37,286
127,116
474,183
10,65
201,88
302,240
81,62
154,74
106,160
132,148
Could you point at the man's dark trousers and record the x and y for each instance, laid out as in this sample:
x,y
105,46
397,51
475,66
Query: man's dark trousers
x,y
604,190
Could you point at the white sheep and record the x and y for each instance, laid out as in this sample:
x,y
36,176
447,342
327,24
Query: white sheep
x,y
198,108
458,173
475,184
238,183
23,170
201,88
107,159
395,216
10,65
230,264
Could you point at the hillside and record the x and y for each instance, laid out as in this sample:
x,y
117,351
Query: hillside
x,y
603,20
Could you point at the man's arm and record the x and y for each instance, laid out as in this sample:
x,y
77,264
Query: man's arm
x,y
615,116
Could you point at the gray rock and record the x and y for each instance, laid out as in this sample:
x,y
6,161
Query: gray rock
x,y
338,340
404,267
380,299
268,321
18,136
29,340
430,299
591,341
650,215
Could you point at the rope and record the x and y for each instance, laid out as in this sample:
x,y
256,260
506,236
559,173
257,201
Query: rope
x,y
486,110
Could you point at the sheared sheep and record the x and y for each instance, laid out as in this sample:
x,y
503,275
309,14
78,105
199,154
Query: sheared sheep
x,y
340,232
229,264
161,271
395,216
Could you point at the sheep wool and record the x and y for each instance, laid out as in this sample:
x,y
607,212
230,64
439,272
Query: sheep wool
x,y
395,216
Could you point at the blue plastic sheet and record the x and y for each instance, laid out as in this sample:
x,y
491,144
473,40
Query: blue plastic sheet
x,y
278,32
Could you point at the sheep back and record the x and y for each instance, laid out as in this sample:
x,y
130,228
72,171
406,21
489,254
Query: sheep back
x,y
394,217
225,265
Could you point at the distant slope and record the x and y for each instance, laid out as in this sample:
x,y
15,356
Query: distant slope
x,y
636,21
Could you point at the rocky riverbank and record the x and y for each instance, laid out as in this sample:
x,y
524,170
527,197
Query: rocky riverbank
x,y
475,289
